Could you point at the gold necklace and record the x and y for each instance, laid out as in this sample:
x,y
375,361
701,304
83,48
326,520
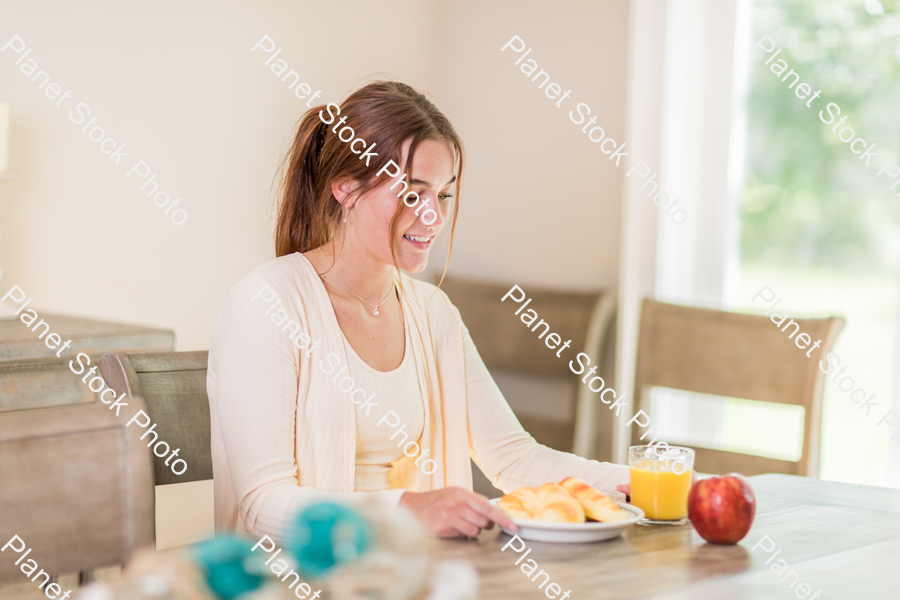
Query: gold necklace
x,y
375,306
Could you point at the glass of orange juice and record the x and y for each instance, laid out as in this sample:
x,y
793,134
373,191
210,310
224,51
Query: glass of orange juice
x,y
661,482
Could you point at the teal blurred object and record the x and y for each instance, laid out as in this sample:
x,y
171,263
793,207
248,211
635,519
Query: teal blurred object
x,y
229,565
325,535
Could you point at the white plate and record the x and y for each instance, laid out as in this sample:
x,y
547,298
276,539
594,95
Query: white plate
x,y
574,533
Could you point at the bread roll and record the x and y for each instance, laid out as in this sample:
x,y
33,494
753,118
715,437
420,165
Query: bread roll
x,y
597,506
549,502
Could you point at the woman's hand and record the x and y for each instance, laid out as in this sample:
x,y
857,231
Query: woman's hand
x,y
454,512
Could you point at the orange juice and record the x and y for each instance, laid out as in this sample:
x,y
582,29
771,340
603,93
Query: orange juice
x,y
659,492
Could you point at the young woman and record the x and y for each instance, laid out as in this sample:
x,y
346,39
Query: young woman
x,y
335,375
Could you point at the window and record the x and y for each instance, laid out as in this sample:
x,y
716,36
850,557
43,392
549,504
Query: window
x,y
816,224
805,216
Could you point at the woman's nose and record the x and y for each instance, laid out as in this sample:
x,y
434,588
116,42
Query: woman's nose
x,y
431,211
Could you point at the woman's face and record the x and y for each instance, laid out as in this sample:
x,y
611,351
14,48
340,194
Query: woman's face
x,y
432,178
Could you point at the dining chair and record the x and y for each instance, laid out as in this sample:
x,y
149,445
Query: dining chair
x,y
507,345
739,356
173,386
76,487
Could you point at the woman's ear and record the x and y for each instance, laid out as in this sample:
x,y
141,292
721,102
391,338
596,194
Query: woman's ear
x,y
343,191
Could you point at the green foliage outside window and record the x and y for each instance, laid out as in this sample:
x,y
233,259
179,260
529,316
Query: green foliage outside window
x,y
808,201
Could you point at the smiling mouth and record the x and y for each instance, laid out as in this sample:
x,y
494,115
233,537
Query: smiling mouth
x,y
419,239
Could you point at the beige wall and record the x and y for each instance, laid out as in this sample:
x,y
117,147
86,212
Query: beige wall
x,y
178,84
541,202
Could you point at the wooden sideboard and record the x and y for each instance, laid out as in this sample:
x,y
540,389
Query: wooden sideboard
x,y
32,376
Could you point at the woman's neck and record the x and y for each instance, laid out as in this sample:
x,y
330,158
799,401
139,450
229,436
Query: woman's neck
x,y
366,277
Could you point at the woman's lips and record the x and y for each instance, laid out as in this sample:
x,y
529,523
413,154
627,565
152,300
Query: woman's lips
x,y
422,242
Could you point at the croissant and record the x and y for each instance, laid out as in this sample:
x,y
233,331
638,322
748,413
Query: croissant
x,y
597,506
548,502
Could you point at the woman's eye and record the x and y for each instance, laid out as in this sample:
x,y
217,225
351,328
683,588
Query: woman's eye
x,y
445,197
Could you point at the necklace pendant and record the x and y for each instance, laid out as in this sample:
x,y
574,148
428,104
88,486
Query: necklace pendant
x,y
375,312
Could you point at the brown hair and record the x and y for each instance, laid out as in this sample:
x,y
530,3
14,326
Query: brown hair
x,y
383,113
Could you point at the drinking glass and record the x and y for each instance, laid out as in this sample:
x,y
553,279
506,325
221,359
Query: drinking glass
x,y
661,482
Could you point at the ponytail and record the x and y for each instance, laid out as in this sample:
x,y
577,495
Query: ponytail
x,y
306,221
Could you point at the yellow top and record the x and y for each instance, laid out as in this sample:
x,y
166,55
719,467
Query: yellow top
x,y
378,446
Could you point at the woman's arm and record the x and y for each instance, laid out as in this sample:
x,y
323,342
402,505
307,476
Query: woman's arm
x,y
254,404
508,455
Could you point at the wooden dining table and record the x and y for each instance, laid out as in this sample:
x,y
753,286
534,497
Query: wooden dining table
x,y
842,539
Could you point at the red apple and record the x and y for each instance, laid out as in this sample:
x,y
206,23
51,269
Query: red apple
x,y
721,509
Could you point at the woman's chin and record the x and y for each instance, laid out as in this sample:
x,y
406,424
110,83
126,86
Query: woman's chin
x,y
413,264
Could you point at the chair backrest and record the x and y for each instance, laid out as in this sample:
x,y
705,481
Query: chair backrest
x,y
506,343
173,385
735,355
32,375
76,486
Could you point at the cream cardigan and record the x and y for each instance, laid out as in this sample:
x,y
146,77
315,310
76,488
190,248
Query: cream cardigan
x,y
283,435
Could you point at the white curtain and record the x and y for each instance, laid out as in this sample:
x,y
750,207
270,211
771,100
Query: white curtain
x,y
691,125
